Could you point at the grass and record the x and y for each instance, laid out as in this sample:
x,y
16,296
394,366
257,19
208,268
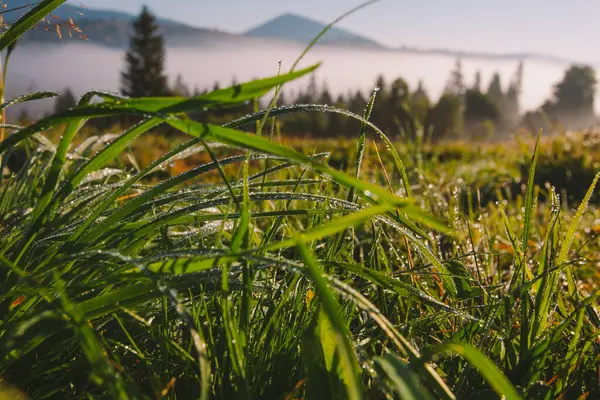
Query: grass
x,y
273,271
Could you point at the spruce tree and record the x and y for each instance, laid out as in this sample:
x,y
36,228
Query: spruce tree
x,y
456,83
419,103
513,94
180,88
477,82
495,92
143,75
65,101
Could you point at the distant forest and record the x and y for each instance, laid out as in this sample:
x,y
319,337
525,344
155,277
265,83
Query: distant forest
x,y
480,110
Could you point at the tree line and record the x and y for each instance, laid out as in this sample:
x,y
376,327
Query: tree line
x,y
463,110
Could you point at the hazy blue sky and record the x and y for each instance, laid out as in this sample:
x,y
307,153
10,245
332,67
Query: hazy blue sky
x,y
564,28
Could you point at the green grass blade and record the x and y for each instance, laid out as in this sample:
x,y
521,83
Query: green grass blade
x,y
327,28
331,308
58,163
367,191
361,142
404,382
399,164
331,228
28,97
570,235
529,200
158,108
91,346
486,368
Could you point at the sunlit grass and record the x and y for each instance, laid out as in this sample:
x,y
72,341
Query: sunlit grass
x,y
228,265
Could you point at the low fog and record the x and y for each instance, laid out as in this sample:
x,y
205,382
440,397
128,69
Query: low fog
x,y
83,67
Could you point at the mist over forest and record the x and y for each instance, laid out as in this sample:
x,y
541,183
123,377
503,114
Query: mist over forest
x,y
344,69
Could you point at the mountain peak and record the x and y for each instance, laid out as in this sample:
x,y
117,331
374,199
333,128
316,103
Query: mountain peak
x,y
302,29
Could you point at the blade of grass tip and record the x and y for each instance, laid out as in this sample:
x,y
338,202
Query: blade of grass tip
x,y
27,97
570,235
488,370
360,151
519,274
229,96
27,21
327,28
349,363
361,141
273,123
272,104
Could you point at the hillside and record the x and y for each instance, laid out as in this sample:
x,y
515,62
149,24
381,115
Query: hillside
x,y
301,29
115,33
104,27
112,28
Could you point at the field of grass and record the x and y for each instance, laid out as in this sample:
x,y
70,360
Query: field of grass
x,y
230,265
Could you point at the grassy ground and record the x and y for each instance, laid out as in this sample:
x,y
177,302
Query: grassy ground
x,y
229,265
183,283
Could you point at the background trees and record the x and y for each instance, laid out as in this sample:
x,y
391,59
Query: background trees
x,y
573,100
476,110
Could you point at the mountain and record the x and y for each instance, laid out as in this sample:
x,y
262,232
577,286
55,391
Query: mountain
x,y
112,28
116,33
104,27
69,10
296,28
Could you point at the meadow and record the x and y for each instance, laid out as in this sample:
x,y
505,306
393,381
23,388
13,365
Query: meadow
x,y
226,264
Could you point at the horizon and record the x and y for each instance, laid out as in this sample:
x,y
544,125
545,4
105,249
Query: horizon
x,y
450,25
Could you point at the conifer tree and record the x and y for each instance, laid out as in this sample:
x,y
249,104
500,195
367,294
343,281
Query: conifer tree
x,y
180,88
419,103
477,82
513,94
495,92
65,101
143,75
456,83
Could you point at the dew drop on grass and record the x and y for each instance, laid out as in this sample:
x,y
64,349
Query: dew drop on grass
x,y
370,194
